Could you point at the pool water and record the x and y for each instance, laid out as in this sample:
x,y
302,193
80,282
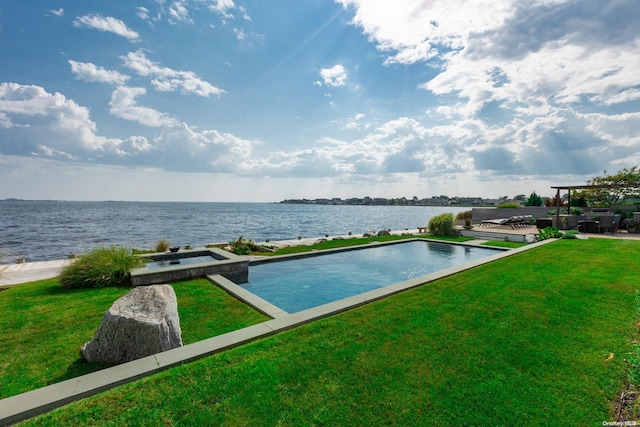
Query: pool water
x,y
179,261
304,283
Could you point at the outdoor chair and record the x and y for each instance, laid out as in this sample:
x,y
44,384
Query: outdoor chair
x,y
607,223
514,222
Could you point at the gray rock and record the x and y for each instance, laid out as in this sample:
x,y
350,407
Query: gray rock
x,y
143,322
317,242
384,233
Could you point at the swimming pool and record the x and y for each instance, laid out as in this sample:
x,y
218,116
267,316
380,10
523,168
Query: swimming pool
x,y
180,261
308,282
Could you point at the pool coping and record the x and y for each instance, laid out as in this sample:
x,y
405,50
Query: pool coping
x,y
35,402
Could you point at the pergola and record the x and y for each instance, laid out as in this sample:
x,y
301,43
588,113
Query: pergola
x,y
579,187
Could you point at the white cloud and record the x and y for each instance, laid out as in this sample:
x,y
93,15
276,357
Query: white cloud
x,y
335,76
416,30
513,77
181,148
245,14
178,12
52,126
106,24
165,79
57,12
396,147
41,116
223,7
92,73
240,35
142,12
123,105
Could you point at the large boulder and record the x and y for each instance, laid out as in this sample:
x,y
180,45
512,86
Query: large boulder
x,y
143,322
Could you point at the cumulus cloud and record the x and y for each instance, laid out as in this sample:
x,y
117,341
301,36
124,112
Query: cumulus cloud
x,y
57,12
123,104
335,76
181,148
165,79
396,147
39,119
411,31
91,73
520,75
106,24
41,124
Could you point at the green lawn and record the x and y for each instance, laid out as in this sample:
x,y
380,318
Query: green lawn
x,y
43,327
523,341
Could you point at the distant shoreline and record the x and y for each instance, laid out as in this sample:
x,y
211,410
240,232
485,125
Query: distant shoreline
x,y
403,201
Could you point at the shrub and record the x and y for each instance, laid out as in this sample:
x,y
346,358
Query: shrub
x,y
571,234
549,233
441,225
242,247
533,200
464,215
573,211
100,268
162,245
508,205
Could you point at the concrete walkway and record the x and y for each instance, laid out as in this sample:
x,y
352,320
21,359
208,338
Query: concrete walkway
x,y
26,405
13,274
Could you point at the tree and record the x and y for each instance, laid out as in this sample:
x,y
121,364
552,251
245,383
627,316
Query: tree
x,y
533,200
520,198
624,184
556,201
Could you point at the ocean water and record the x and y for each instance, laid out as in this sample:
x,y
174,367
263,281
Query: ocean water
x,y
50,230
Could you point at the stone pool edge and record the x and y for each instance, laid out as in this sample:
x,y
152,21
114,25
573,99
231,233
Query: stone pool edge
x,y
36,402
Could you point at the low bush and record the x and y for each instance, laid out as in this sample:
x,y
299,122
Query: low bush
x,y
100,268
242,246
464,215
549,233
441,225
508,205
571,234
573,211
162,246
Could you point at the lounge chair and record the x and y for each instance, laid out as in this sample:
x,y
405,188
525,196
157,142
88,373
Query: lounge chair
x,y
519,221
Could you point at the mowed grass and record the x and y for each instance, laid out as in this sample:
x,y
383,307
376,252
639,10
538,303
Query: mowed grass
x,y
43,327
526,340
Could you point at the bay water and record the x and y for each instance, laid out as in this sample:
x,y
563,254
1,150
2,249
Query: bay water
x,y
52,230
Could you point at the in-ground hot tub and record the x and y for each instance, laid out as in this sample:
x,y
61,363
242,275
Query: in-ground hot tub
x,y
168,267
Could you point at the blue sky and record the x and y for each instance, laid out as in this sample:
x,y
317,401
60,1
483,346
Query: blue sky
x,y
254,100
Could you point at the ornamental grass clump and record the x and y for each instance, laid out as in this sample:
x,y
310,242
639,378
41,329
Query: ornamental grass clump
x,y
100,268
441,225
162,246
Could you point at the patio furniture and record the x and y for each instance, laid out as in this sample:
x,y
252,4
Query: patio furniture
x,y
607,223
543,223
588,226
519,221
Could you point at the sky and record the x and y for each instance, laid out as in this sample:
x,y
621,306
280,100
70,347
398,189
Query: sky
x,y
261,101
